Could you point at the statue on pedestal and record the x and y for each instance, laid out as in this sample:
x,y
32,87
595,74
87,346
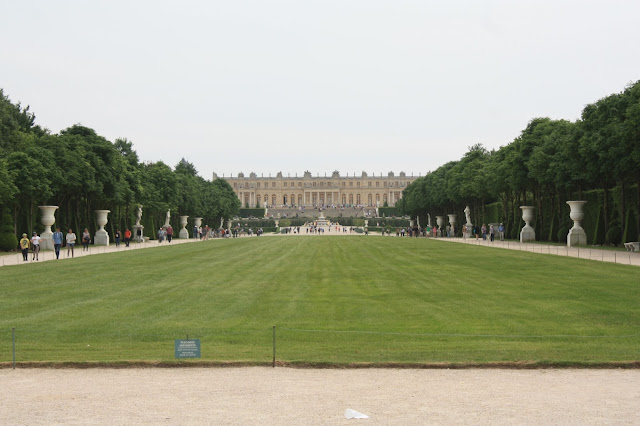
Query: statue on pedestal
x,y
138,234
167,219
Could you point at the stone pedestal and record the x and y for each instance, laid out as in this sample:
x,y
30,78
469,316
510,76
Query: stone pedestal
x,y
528,233
576,235
411,223
136,238
47,218
229,224
184,234
101,238
440,222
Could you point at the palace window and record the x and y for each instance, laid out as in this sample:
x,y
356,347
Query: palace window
x,y
285,184
369,183
377,184
350,183
258,184
314,184
358,185
273,185
299,183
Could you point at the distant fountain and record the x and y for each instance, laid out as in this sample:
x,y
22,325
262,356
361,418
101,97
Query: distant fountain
x,y
322,221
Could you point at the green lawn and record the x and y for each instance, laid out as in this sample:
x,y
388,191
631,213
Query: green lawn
x,y
348,299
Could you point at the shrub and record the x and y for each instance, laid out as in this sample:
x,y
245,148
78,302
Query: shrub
x,y
284,223
614,235
8,240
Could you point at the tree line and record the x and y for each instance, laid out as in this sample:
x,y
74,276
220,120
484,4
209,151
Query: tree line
x,y
81,171
596,158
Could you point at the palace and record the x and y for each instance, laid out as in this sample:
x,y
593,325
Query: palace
x,y
310,191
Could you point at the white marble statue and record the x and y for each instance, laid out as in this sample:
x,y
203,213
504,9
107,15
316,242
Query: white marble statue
x,y
139,218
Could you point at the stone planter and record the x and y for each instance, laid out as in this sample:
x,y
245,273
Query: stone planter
x,y
183,231
576,235
439,222
229,224
452,221
101,238
47,218
527,233
197,221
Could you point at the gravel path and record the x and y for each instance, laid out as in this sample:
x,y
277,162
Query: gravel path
x,y
258,395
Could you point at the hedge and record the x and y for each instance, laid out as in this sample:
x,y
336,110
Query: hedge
x,y
258,213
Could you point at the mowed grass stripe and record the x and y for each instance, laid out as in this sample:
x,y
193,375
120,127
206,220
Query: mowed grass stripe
x,y
455,303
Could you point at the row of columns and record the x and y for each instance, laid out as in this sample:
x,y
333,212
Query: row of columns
x,y
310,198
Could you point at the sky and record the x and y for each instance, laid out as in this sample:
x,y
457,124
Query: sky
x,y
349,85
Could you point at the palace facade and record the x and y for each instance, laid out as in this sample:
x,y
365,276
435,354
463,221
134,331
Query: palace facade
x,y
308,190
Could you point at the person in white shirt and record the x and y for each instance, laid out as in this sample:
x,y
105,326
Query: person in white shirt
x,y
35,244
71,241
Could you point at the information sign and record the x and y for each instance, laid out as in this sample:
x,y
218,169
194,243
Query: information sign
x,y
187,348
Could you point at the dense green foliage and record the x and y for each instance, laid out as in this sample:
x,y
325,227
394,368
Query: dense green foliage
x,y
333,299
596,158
8,240
388,211
81,171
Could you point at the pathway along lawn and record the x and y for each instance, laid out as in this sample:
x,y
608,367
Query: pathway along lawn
x,y
333,300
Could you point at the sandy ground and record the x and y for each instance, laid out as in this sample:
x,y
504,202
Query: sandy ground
x,y
260,395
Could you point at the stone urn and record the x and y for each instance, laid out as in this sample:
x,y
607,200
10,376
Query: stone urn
x,y
576,235
183,231
197,221
440,222
101,238
527,233
229,224
452,221
47,218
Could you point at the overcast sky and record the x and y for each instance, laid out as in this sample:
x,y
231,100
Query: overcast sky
x,y
289,86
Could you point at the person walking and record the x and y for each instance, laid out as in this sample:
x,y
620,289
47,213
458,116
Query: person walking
x,y
169,233
117,236
24,247
160,235
57,242
71,241
35,244
492,232
501,232
127,237
86,239
484,232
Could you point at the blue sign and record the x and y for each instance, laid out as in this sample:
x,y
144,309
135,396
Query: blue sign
x,y
187,348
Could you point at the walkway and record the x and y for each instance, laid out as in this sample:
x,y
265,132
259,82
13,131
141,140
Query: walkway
x,y
613,256
47,255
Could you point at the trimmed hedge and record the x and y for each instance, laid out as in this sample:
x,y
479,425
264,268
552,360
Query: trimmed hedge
x,y
388,211
247,212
